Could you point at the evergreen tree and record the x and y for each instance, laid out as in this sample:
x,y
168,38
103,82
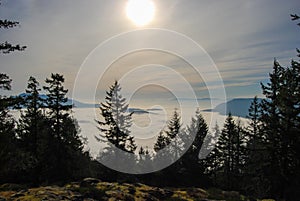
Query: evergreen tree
x,y
30,122
199,129
255,181
191,166
239,147
161,142
211,162
225,146
172,132
145,160
229,154
143,151
64,147
169,145
254,116
7,131
115,131
271,119
57,102
273,154
174,125
161,155
280,117
29,127
116,120
169,148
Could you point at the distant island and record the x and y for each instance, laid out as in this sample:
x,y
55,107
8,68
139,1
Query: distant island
x,y
237,107
79,104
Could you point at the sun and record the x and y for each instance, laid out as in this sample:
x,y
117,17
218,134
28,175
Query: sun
x,y
140,12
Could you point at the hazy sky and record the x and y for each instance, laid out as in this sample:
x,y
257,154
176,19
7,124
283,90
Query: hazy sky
x,y
242,37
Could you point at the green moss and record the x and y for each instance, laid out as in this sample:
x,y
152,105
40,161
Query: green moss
x,y
29,198
7,194
117,191
181,195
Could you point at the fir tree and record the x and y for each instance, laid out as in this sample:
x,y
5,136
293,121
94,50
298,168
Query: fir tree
x,y
145,160
7,131
115,127
198,129
161,142
272,127
255,181
64,142
29,127
211,162
172,132
254,116
280,119
115,131
191,166
57,102
174,125
169,145
229,154
30,122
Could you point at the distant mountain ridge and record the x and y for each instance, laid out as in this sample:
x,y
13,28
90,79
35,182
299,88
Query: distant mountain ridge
x,y
78,104
237,107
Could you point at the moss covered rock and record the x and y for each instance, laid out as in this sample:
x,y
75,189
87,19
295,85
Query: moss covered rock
x,y
93,189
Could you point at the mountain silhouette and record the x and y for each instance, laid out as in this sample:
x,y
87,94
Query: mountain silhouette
x,y
237,107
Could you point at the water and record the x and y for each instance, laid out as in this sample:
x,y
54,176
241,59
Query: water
x,y
145,127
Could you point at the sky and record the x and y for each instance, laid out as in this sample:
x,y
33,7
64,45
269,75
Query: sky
x,y
241,37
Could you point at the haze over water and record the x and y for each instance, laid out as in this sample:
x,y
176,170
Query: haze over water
x,y
146,126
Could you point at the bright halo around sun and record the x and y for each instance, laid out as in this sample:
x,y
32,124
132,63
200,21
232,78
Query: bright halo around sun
x,y
140,12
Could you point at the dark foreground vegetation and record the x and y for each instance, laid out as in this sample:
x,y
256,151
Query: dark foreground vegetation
x,y
93,189
44,146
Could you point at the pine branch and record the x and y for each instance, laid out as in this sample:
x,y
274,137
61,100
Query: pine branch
x,y
6,24
6,48
5,82
295,17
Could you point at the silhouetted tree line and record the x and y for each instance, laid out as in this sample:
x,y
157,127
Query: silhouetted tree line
x,y
261,160
44,144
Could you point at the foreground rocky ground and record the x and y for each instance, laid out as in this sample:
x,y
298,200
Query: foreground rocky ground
x,y
92,189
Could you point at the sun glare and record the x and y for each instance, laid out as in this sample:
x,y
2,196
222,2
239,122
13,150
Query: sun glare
x,y
140,12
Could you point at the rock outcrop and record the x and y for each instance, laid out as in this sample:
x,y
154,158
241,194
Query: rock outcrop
x,y
91,189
